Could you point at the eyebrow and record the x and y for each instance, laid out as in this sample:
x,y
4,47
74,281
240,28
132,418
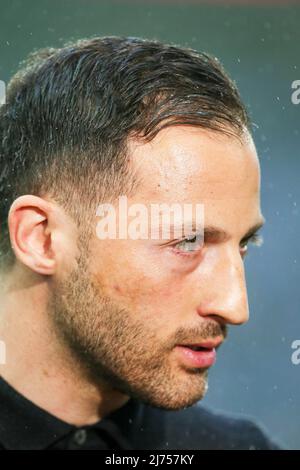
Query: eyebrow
x,y
215,234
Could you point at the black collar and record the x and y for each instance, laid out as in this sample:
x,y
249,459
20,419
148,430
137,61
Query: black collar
x,y
24,425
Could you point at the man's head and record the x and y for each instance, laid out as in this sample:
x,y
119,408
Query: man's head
x,y
161,124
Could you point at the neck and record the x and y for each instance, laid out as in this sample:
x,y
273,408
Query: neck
x,y
39,367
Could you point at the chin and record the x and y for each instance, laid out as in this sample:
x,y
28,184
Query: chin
x,y
180,396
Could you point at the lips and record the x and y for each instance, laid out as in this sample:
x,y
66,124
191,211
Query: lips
x,y
203,345
198,355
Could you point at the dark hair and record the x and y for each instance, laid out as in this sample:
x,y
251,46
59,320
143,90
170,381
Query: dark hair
x,y
69,113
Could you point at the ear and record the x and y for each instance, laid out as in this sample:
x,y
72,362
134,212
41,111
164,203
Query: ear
x,y
39,233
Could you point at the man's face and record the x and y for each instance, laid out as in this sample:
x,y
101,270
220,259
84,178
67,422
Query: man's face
x,y
130,304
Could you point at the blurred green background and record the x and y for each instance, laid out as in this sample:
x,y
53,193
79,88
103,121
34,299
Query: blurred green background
x,y
259,46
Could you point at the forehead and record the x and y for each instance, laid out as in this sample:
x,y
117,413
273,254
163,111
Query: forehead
x,y
191,164
195,158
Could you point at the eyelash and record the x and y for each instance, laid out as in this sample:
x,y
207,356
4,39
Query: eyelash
x,y
255,239
186,253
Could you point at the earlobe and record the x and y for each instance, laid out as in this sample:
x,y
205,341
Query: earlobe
x,y
30,235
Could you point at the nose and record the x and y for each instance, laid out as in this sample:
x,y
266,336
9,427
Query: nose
x,y
224,290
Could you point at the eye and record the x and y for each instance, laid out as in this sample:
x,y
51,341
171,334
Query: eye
x,y
255,239
189,245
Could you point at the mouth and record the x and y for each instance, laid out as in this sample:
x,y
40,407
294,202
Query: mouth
x,y
209,344
198,355
196,348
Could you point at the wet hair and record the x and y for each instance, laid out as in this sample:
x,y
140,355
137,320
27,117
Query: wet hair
x,y
70,111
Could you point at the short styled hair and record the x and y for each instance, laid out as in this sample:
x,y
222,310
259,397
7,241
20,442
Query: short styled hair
x,y
70,111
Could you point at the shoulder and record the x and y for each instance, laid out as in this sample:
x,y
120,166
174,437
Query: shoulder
x,y
199,427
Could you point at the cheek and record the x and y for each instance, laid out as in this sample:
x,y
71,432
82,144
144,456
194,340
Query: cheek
x,y
149,295
143,283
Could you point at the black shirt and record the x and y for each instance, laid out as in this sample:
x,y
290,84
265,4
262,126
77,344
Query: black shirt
x,y
23,425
